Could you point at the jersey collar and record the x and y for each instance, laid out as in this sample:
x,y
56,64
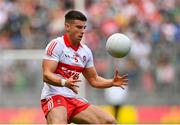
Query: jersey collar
x,y
69,44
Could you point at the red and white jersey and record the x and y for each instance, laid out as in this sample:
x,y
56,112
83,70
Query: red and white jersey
x,y
71,60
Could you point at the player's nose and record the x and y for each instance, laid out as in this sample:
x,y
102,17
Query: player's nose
x,y
82,32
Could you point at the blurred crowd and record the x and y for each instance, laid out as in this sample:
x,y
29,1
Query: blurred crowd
x,y
28,23
152,25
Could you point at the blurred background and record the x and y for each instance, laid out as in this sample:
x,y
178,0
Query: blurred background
x,y
153,93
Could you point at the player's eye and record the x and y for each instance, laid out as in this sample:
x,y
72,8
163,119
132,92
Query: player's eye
x,y
81,27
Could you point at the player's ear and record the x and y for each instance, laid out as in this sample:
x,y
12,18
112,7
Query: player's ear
x,y
67,26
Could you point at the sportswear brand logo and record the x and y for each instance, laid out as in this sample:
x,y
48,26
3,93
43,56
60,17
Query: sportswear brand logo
x,y
69,55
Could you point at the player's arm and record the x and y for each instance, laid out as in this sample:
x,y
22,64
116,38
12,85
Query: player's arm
x,y
99,82
49,67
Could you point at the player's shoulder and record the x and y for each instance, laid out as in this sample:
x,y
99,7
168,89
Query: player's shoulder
x,y
58,40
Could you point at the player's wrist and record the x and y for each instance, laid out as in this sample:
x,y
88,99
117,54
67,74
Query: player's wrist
x,y
112,83
63,82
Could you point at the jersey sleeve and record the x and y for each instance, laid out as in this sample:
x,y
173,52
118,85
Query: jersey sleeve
x,y
53,51
90,62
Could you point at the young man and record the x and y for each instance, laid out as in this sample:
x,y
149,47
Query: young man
x,y
65,58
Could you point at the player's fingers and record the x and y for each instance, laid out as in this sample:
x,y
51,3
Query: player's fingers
x,y
74,85
125,80
124,76
124,84
74,89
72,75
116,72
76,80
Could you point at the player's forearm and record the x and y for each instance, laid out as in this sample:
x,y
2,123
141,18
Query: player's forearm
x,y
101,82
52,79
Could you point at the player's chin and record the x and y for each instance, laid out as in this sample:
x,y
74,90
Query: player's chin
x,y
79,39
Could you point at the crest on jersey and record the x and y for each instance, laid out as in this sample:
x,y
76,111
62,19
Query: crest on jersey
x,y
84,59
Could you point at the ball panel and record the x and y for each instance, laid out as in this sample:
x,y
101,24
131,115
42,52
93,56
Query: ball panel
x,y
118,45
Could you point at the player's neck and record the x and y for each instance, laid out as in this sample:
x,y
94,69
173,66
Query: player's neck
x,y
74,43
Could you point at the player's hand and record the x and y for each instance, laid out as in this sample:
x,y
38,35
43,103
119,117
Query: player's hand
x,y
120,81
72,84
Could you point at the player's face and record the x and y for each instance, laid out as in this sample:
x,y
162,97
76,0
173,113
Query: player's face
x,y
75,29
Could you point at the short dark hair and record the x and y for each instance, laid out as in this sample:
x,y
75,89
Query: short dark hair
x,y
75,15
